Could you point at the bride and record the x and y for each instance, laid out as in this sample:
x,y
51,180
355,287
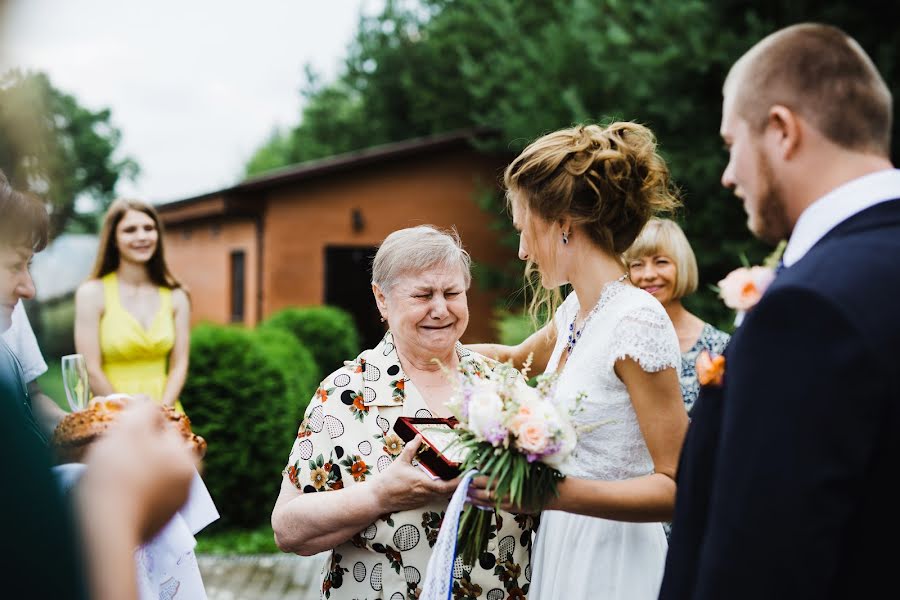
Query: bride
x,y
579,197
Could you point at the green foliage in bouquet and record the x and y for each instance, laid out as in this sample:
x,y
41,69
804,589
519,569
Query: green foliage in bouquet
x,y
510,475
515,435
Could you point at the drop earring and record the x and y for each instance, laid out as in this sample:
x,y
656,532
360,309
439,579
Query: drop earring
x,y
565,238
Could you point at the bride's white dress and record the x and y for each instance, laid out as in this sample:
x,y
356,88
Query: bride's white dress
x,y
584,557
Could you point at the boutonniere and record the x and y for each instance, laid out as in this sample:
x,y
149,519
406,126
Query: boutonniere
x,y
710,369
742,288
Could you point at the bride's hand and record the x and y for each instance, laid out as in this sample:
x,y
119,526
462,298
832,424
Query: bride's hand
x,y
480,495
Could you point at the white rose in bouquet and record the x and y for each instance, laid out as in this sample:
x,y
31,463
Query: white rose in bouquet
x,y
486,416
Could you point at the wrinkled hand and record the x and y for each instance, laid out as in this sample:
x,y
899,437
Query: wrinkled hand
x,y
480,495
141,467
404,486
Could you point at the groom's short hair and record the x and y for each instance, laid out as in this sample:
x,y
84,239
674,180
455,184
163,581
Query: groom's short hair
x,y
822,74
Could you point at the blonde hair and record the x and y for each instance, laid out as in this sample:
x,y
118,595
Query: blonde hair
x,y
665,237
608,180
415,249
821,73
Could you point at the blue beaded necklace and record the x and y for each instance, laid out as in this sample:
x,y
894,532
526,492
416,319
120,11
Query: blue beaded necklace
x,y
575,334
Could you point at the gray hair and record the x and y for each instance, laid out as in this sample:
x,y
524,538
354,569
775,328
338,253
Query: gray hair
x,y
415,249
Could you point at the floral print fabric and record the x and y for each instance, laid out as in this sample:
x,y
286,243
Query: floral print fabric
x,y
712,340
347,438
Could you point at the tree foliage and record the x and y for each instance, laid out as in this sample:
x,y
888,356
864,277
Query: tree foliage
x,y
60,150
525,68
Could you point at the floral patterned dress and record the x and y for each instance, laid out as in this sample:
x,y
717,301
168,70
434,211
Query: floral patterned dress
x,y
712,340
346,439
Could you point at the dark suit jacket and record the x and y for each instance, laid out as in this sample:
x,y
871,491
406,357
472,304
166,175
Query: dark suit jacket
x,y
785,479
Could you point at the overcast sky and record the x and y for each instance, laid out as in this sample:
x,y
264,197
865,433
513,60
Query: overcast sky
x,y
195,86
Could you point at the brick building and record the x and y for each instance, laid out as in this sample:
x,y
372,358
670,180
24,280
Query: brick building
x,y
306,234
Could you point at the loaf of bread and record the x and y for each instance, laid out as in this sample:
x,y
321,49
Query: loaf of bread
x,y
75,433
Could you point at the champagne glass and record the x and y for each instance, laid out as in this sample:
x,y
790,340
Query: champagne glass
x,y
75,380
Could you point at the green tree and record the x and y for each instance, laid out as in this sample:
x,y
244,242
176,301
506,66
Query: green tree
x,y
524,68
60,150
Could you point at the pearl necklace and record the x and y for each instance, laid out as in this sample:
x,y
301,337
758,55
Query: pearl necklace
x,y
575,334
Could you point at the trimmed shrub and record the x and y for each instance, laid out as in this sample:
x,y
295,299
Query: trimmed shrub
x,y
328,332
242,395
300,369
512,328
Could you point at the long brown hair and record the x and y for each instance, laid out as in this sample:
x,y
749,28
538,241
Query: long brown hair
x,y
108,251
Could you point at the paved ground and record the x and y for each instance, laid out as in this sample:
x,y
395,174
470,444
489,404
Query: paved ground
x,y
261,577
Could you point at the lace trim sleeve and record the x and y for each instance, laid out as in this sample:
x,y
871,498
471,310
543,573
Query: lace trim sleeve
x,y
647,336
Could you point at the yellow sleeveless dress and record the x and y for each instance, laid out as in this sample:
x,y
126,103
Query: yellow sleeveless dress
x,y
135,360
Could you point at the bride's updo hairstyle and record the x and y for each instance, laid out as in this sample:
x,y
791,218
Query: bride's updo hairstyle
x,y
608,180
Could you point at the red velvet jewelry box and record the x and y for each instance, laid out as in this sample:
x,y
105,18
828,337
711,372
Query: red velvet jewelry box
x,y
437,455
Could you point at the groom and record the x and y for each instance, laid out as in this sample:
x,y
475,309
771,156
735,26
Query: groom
x,y
786,471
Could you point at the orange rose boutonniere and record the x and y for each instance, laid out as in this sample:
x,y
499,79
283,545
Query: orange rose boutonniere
x,y
710,369
742,288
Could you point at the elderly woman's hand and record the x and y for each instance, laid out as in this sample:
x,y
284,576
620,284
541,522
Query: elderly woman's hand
x,y
404,486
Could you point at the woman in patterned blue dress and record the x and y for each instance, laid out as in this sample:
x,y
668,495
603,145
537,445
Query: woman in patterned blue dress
x,y
662,263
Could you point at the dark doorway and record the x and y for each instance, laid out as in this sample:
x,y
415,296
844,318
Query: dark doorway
x,y
348,285
238,259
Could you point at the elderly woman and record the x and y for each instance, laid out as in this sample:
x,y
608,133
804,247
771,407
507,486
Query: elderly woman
x,y
661,262
380,514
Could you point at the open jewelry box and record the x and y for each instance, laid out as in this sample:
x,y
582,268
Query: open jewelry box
x,y
439,455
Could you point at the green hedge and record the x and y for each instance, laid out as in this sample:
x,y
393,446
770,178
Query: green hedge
x,y
301,372
244,395
327,331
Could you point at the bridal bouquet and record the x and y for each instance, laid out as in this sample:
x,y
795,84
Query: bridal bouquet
x,y
514,434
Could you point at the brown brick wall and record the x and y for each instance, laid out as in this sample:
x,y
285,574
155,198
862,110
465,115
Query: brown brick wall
x,y
199,253
302,221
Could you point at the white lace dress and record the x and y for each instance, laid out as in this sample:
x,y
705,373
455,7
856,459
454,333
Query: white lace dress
x,y
585,557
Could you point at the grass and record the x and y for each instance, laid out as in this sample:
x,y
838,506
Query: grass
x,y
237,541
51,383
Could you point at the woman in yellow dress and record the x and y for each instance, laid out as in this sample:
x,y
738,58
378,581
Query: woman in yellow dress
x,y
132,317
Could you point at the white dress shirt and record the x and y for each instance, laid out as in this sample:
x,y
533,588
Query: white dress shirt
x,y
20,339
837,206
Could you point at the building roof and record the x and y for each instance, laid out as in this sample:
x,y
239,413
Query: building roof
x,y
329,165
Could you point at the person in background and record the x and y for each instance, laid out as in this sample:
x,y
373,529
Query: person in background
x,y
661,262
132,317
21,340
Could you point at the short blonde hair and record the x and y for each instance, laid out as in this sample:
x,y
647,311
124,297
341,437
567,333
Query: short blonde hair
x,y
664,237
415,249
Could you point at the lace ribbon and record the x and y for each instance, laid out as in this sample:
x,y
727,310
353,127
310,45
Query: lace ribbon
x,y
438,583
